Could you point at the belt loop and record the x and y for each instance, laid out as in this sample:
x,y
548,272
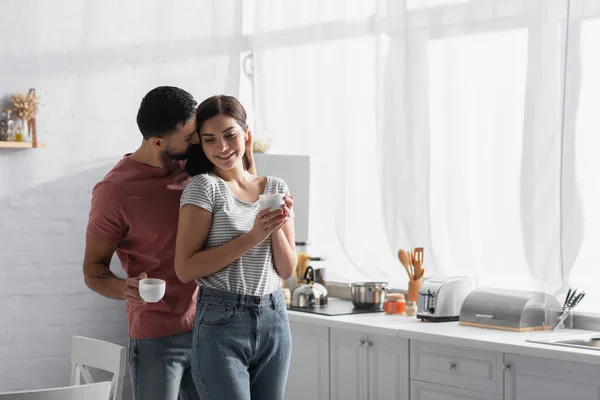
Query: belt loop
x,y
241,302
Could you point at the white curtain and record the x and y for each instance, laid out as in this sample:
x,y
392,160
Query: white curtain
x,y
441,124
581,186
480,133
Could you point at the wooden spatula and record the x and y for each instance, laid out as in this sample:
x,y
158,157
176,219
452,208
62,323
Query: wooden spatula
x,y
418,262
404,258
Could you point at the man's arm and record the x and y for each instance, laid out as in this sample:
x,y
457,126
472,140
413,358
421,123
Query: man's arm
x,y
96,268
98,276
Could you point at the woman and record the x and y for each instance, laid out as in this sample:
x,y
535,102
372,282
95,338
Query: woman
x,y
238,255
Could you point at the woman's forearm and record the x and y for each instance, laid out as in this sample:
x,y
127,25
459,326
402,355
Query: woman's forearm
x,y
208,262
284,254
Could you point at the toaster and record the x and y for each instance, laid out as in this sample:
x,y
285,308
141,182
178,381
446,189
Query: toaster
x,y
440,299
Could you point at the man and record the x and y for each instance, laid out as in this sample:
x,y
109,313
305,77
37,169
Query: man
x,y
134,212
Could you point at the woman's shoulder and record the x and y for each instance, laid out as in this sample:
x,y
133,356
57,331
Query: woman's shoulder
x,y
204,180
276,185
203,183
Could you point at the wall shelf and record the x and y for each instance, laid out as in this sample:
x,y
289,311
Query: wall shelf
x,y
20,145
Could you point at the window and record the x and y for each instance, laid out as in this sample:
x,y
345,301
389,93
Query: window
x,y
585,221
321,101
476,94
268,15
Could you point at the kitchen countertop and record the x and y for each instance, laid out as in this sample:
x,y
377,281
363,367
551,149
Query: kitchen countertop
x,y
451,333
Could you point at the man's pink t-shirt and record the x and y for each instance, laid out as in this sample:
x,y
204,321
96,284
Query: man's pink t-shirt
x,y
137,206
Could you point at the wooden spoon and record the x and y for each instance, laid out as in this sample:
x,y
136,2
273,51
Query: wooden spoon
x,y
404,258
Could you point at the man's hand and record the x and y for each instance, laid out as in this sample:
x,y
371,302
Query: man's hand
x,y
131,290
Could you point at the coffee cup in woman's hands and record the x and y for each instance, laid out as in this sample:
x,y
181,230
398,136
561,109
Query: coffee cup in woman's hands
x,y
271,201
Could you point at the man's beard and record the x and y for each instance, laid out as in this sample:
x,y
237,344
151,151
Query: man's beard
x,y
177,156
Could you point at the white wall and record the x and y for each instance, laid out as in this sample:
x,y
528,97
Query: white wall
x,y
91,61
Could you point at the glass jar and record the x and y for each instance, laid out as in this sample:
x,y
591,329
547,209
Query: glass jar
x,y
394,304
318,265
6,126
303,262
411,308
302,247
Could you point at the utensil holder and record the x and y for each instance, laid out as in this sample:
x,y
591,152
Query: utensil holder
x,y
413,289
554,314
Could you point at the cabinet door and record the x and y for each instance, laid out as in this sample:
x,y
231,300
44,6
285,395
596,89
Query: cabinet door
x,y
429,391
308,377
532,378
348,363
388,368
456,366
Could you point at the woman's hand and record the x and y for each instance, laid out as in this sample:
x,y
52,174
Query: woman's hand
x,y
287,207
266,222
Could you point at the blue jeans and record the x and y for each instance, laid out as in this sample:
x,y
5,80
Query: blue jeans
x,y
161,368
241,347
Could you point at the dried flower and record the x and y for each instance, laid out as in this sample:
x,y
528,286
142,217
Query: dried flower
x,y
25,106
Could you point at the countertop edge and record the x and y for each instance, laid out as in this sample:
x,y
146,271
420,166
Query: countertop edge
x,y
450,333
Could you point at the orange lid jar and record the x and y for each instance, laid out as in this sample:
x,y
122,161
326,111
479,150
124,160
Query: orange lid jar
x,y
394,304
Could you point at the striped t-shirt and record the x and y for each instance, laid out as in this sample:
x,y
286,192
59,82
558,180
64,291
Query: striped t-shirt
x,y
253,273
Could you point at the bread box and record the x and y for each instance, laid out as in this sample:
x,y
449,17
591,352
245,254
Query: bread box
x,y
505,309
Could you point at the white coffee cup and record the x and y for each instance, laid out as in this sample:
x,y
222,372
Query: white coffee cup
x,y
273,201
152,290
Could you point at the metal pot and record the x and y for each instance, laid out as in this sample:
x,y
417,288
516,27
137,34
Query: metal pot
x,y
368,295
310,293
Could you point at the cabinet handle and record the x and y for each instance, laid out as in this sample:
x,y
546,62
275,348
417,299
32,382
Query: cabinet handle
x,y
505,367
368,344
452,365
362,343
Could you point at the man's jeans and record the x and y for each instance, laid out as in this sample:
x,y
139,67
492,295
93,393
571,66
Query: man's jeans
x,y
241,347
161,368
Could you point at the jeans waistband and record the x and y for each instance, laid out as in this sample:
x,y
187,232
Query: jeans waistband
x,y
239,299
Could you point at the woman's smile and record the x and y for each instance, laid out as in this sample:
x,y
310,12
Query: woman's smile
x,y
226,157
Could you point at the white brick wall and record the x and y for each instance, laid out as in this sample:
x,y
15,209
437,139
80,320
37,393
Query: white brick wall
x,y
91,61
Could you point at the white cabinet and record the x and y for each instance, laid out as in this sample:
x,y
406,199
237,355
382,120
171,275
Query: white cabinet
x,y
429,391
532,378
456,366
308,377
388,368
366,366
349,364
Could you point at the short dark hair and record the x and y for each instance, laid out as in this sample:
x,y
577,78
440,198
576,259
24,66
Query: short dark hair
x,y
163,109
197,162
